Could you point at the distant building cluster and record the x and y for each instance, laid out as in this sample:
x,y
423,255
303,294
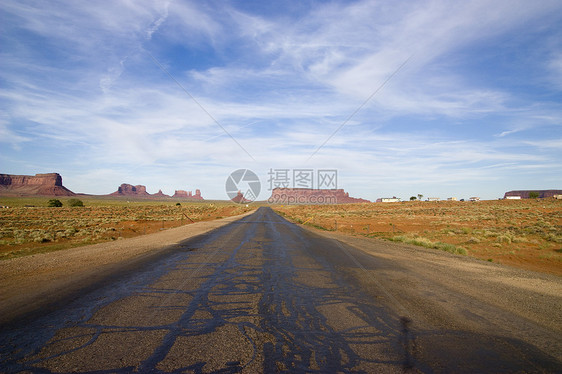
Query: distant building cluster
x,y
395,199
510,195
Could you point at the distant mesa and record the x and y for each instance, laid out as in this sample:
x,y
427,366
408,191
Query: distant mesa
x,y
526,194
129,190
49,184
312,196
181,194
139,191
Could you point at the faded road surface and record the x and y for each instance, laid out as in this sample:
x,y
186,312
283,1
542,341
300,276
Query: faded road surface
x,y
264,295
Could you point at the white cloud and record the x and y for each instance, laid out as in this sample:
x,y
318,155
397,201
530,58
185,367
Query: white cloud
x,y
279,85
113,73
355,48
156,24
8,136
555,67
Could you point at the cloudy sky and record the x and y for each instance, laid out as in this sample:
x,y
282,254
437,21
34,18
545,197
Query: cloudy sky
x,y
440,98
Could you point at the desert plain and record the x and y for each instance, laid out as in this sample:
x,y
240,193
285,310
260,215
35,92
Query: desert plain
x,y
28,226
526,233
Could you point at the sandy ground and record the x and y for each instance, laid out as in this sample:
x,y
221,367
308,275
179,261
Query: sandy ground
x,y
31,282
433,287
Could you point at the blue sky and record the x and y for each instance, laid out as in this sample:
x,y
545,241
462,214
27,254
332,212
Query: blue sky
x,y
476,110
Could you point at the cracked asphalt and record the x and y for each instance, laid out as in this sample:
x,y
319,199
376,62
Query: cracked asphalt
x,y
264,295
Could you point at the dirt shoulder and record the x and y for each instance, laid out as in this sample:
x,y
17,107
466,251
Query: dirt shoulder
x,y
35,281
438,289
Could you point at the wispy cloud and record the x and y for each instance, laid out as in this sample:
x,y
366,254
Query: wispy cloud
x,y
76,79
555,67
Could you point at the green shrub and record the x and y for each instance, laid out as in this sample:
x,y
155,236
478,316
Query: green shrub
x,y
451,248
54,203
466,230
75,202
506,238
424,242
553,238
534,195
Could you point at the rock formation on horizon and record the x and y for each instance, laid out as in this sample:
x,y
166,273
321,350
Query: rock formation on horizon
x,y
49,184
312,196
139,191
525,194
181,194
240,199
126,189
160,194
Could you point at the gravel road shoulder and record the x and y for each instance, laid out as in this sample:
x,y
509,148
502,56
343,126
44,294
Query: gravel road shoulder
x,y
439,290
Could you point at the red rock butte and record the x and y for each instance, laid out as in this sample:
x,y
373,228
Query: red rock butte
x,y
181,194
139,191
312,196
526,194
240,199
126,189
49,184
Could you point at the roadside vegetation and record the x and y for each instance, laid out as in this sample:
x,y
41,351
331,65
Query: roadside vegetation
x,y
423,242
36,225
523,233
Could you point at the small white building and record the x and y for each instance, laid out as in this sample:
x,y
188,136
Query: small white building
x,y
389,200
513,197
451,199
433,199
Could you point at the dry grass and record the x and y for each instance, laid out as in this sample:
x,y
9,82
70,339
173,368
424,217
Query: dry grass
x,y
37,228
522,233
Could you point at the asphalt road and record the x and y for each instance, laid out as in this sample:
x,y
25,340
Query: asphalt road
x,y
264,295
